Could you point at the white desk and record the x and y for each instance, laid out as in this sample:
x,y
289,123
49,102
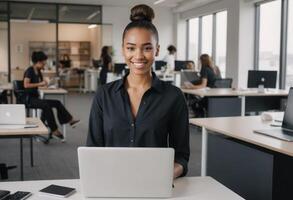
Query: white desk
x,y
44,92
231,140
25,133
242,94
188,188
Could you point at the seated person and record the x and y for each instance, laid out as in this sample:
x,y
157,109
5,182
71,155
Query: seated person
x,y
65,61
207,73
32,80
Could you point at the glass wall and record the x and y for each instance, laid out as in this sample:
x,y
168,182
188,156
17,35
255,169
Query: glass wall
x,y
32,28
269,35
221,41
207,34
289,72
193,39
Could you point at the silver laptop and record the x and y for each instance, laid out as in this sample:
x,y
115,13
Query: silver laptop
x,y
286,131
189,76
12,116
126,172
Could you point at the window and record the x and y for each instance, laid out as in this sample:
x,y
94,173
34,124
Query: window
x,y
289,72
269,35
193,39
207,34
221,40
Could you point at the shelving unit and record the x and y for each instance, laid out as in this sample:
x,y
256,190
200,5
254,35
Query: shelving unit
x,y
78,52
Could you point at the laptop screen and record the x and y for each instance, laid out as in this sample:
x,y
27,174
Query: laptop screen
x,y
288,116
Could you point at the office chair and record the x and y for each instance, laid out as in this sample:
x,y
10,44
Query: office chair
x,y
4,170
223,83
3,97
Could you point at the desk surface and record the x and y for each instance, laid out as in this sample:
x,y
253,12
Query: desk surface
x,y
40,130
242,128
188,188
53,91
230,92
7,86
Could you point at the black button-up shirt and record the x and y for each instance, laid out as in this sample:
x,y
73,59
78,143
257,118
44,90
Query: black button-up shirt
x,y
161,121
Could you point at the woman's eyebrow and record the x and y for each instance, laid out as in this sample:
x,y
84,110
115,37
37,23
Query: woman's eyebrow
x,y
145,44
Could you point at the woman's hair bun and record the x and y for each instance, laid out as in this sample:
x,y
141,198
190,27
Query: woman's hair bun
x,y
142,12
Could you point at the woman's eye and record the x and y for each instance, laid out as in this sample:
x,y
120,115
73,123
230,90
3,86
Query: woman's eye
x,y
149,48
130,48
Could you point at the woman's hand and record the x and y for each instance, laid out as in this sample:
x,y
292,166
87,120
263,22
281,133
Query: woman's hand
x,y
43,83
178,170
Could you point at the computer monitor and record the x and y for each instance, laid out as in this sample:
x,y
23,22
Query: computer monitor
x,y
266,78
179,65
97,63
119,67
159,64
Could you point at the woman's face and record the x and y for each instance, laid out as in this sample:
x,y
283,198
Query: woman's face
x,y
139,50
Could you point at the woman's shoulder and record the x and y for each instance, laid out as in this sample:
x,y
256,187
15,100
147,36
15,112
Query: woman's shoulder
x,y
108,87
171,90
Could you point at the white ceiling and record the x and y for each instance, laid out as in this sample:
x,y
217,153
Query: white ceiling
x,y
166,3
177,5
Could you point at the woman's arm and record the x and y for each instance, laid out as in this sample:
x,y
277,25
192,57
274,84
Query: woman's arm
x,y
178,128
203,84
27,83
95,132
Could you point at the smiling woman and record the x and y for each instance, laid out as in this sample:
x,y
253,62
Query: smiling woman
x,y
140,110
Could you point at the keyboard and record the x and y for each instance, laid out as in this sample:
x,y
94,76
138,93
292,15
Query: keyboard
x,y
19,195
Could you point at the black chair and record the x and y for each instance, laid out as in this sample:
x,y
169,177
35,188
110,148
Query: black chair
x,y
20,94
223,83
159,64
4,170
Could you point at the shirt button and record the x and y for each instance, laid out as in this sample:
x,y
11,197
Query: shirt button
x,y
144,103
132,124
131,140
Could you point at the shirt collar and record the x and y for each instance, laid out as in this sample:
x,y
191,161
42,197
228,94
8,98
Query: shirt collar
x,y
156,83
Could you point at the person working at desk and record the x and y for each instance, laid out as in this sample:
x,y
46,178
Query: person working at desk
x,y
140,110
170,57
32,80
207,73
106,64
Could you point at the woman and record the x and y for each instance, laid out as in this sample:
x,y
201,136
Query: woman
x,y
140,110
32,80
106,64
207,73
170,57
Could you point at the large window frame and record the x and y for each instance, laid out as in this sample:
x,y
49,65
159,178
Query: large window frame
x,y
200,37
283,40
57,22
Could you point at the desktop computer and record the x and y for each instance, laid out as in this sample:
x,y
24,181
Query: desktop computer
x,y
119,67
266,78
180,64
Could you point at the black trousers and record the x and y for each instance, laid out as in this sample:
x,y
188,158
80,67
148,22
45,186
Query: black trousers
x,y
47,105
103,77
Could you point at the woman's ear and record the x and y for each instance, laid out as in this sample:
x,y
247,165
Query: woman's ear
x,y
157,50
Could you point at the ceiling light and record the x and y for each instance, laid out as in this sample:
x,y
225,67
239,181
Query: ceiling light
x,y
92,15
92,26
159,1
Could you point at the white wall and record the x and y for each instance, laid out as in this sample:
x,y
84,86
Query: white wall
x,y
240,35
119,18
